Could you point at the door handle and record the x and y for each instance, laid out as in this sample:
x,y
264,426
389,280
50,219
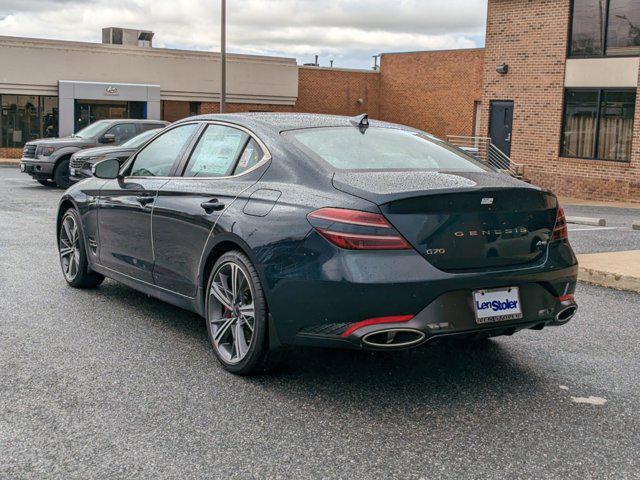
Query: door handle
x,y
145,199
212,206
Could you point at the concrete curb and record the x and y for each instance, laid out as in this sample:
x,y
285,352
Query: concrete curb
x,y
594,222
609,280
10,161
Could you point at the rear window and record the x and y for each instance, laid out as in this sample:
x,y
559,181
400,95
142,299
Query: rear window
x,y
346,148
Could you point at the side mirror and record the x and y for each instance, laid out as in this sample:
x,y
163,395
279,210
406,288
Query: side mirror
x,y
108,169
108,138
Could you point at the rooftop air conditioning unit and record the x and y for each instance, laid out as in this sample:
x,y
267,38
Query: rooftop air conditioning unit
x,y
127,36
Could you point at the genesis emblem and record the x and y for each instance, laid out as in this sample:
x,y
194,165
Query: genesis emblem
x,y
487,201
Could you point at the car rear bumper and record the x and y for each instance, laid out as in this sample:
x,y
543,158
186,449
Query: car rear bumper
x,y
37,169
325,291
450,315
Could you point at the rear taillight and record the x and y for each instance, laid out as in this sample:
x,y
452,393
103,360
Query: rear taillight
x,y
560,231
356,230
566,298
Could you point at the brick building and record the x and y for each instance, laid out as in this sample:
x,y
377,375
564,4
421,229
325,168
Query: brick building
x,y
555,89
436,91
564,101
334,91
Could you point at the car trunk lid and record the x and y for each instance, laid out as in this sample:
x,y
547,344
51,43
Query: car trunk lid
x,y
465,221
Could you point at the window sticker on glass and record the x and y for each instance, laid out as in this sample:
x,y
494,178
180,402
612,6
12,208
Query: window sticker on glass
x,y
215,152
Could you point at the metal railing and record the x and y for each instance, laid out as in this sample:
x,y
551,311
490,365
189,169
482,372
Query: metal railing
x,y
484,150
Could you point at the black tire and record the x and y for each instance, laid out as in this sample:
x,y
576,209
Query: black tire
x,y
80,276
46,183
258,357
61,174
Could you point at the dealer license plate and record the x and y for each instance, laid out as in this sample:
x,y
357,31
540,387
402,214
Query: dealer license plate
x,y
22,167
499,305
72,171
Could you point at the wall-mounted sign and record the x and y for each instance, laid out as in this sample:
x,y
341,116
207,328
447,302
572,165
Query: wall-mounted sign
x,y
111,90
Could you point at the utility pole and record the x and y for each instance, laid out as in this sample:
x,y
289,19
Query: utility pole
x,y
223,58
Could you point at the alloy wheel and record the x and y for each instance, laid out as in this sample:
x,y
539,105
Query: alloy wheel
x,y
231,312
69,247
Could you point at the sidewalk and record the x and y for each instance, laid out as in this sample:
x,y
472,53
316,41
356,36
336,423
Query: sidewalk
x,y
619,270
10,161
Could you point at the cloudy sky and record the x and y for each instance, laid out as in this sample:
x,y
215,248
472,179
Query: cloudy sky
x,y
348,31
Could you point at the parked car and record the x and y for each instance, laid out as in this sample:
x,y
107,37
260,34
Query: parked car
x,y
289,229
47,159
82,161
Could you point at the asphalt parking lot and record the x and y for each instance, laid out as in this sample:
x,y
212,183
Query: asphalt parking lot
x,y
109,383
616,236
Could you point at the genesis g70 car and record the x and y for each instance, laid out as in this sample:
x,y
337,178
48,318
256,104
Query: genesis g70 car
x,y
290,229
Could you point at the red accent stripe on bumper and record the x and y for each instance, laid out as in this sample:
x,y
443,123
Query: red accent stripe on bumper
x,y
376,321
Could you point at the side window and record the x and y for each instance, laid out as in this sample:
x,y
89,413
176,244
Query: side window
x,y
123,132
157,158
216,152
250,157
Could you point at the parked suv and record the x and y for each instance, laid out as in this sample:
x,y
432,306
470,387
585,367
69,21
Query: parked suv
x,y
47,159
82,161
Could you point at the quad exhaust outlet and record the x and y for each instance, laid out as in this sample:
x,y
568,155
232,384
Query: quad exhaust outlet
x,y
393,338
566,314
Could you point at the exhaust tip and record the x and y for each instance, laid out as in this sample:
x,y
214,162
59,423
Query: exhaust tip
x,y
566,314
393,338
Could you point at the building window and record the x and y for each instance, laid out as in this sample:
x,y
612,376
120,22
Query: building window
x,y
605,27
598,124
623,34
27,117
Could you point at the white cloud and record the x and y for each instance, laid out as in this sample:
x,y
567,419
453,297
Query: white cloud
x,y
348,30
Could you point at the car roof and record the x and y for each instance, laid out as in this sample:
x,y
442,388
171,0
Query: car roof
x,y
133,120
291,121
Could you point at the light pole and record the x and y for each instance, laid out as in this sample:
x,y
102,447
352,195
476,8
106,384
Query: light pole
x,y
223,58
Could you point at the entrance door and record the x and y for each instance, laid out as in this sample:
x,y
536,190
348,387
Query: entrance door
x,y
501,125
90,111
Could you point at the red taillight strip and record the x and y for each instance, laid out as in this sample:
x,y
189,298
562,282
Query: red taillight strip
x,y
352,241
353,217
376,321
560,231
566,298
367,231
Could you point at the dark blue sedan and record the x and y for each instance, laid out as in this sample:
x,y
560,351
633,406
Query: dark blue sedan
x,y
287,229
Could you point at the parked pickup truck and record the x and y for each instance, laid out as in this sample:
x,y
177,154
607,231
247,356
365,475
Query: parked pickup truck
x,y
47,159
